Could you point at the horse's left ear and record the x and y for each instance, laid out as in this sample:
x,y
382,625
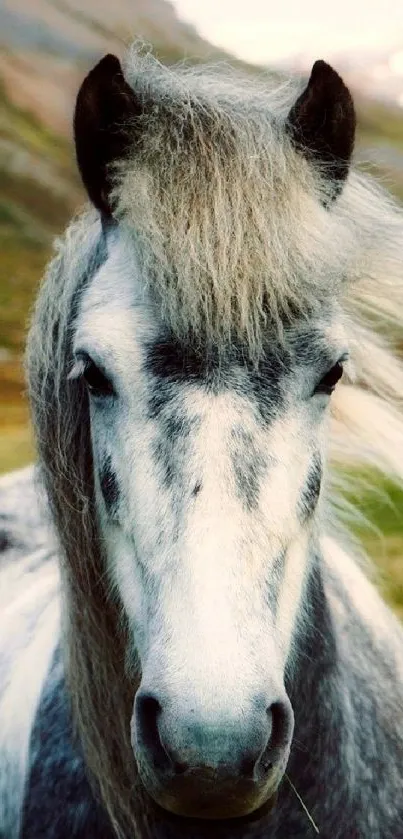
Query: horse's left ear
x,y
105,107
322,122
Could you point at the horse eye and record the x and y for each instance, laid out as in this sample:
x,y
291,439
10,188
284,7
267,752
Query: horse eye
x,y
329,381
97,383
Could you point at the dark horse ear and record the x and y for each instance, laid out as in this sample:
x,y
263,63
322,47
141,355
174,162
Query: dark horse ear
x,y
104,107
322,122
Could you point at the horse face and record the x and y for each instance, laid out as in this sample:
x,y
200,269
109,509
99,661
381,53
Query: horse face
x,y
207,478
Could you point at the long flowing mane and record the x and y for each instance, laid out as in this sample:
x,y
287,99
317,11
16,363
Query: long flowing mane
x,y
232,224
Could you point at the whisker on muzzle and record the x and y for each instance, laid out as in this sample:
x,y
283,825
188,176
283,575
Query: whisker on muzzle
x,y
304,807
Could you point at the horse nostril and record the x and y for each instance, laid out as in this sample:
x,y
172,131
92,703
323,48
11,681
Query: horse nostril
x,y
267,765
277,738
280,725
274,739
248,766
180,768
148,710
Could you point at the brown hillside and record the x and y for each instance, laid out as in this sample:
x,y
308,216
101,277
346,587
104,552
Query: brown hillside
x,y
46,45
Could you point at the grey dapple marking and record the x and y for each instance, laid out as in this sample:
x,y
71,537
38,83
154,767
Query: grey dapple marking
x,y
181,360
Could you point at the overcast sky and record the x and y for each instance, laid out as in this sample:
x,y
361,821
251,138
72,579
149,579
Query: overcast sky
x,y
265,31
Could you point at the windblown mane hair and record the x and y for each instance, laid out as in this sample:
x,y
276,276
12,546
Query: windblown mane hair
x,y
230,218
231,223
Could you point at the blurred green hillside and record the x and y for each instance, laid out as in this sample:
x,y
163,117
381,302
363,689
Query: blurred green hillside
x,y
46,46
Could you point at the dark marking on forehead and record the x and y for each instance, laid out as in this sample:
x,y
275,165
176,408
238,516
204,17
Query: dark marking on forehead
x,y
164,455
311,490
275,580
109,485
171,450
196,489
249,465
172,363
265,383
5,540
159,398
311,348
307,345
177,425
170,360
169,447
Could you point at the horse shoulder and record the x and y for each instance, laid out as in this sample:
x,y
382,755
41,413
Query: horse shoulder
x,y
369,641
59,802
44,791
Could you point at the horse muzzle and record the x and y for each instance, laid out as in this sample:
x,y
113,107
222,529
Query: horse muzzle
x,y
210,768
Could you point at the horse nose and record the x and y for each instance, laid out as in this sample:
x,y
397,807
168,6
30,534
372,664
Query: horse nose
x,y
206,761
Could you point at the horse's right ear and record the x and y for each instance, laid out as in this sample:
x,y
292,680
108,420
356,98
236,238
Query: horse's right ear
x,y
105,107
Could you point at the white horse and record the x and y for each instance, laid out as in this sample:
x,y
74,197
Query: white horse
x,y
230,671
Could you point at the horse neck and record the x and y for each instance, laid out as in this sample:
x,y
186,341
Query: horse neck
x,y
315,683
314,668
344,687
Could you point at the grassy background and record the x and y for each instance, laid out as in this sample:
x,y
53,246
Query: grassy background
x,y
39,192
380,532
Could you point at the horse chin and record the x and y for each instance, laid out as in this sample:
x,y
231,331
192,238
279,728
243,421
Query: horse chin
x,y
232,815
195,806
